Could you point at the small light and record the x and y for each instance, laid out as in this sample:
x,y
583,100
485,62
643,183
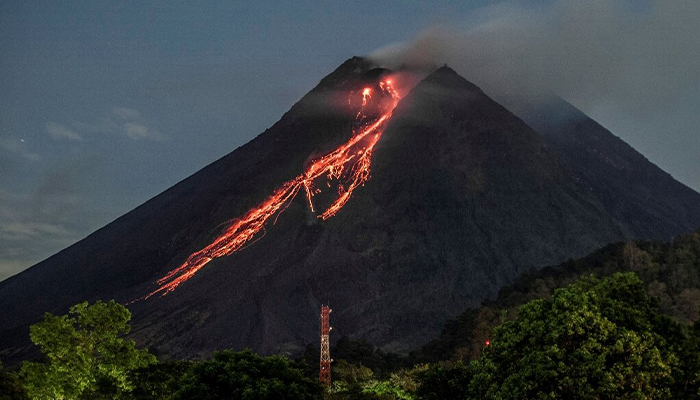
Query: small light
x,y
488,343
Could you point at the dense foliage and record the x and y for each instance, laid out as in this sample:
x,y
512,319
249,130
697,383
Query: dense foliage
x,y
10,386
85,354
87,357
352,381
592,340
157,381
245,375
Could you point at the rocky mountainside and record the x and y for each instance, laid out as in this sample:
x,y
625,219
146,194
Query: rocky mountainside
x,y
463,197
646,200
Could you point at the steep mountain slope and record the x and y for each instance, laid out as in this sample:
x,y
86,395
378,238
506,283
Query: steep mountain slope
x,y
139,246
464,196
637,193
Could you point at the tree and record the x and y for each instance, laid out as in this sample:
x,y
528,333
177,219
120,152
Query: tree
x,y
156,381
408,380
245,375
10,386
594,339
387,389
351,374
439,382
688,381
85,354
361,352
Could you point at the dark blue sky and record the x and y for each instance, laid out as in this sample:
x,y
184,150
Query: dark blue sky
x,y
105,104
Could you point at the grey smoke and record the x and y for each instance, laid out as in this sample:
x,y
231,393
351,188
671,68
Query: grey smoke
x,y
634,66
584,50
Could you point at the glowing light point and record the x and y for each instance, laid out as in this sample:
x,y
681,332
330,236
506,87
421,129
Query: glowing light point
x,y
366,95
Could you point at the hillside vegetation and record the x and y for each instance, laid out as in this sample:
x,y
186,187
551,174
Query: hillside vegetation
x,y
670,272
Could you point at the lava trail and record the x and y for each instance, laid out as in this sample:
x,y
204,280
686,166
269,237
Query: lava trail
x,y
349,165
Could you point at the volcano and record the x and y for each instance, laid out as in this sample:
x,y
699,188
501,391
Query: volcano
x,y
399,209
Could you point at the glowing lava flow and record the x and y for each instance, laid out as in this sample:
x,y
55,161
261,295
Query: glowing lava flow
x,y
350,163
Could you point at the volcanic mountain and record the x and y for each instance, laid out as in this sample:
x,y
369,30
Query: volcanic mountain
x,y
463,197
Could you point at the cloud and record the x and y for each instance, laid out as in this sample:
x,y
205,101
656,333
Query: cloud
x,y
588,51
118,121
138,131
129,122
58,132
19,147
126,113
31,230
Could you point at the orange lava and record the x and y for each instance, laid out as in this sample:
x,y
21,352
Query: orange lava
x,y
349,164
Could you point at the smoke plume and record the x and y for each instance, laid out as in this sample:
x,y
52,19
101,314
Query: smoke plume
x,y
635,54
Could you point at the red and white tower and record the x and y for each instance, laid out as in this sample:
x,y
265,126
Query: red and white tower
x,y
324,375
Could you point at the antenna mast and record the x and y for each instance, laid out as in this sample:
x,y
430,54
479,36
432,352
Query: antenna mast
x,y
324,375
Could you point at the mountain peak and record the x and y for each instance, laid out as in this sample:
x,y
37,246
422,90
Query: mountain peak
x,y
353,66
356,62
446,70
448,78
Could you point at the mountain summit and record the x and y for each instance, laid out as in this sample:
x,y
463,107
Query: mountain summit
x,y
447,197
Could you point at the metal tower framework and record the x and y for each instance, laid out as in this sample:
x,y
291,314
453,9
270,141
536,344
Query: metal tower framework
x,y
324,374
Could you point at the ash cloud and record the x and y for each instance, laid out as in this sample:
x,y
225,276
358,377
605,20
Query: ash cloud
x,y
634,66
639,57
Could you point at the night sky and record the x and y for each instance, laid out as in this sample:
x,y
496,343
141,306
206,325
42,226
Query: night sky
x,y
103,105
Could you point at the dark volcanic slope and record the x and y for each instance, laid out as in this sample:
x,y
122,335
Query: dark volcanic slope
x,y
158,235
637,193
463,197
